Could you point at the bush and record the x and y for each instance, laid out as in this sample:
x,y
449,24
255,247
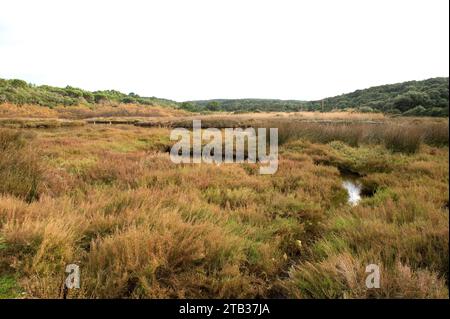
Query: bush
x,y
365,109
418,110
437,111
128,100
18,83
411,99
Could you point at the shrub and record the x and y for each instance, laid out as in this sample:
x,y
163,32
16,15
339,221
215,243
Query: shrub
x,y
128,100
18,83
418,110
365,109
437,111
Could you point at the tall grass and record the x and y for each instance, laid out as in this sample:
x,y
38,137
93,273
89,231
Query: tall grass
x,y
140,226
20,172
320,132
398,137
436,134
402,139
82,111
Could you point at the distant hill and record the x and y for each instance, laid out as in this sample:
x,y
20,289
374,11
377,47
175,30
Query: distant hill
x,y
20,92
428,97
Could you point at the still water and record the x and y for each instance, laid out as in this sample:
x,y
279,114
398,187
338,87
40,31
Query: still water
x,y
354,191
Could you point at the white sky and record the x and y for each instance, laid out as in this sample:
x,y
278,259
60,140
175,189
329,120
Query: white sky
x,y
201,49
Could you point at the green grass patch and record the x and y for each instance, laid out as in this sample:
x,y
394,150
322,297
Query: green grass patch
x,y
9,288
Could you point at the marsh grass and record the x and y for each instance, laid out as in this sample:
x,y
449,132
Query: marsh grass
x,y
20,173
77,112
398,137
436,134
401,139
110,200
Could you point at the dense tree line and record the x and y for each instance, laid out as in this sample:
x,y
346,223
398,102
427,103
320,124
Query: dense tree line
x,y
428,97
20,92
244,105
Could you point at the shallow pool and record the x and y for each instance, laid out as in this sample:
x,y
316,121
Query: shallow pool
x,y
354,191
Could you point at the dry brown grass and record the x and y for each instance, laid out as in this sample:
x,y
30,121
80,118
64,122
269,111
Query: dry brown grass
x,y
140,226
402,136
20,172
83,112
333,116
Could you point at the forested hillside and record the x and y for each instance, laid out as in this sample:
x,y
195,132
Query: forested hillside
x,y
428,97
247,105
20,92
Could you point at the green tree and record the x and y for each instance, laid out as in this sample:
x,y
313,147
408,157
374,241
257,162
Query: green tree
x,y
213,106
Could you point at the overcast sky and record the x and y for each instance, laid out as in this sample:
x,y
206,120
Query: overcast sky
x,y
201,49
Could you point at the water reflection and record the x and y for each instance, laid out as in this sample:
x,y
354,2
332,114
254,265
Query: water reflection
x,y
354,191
